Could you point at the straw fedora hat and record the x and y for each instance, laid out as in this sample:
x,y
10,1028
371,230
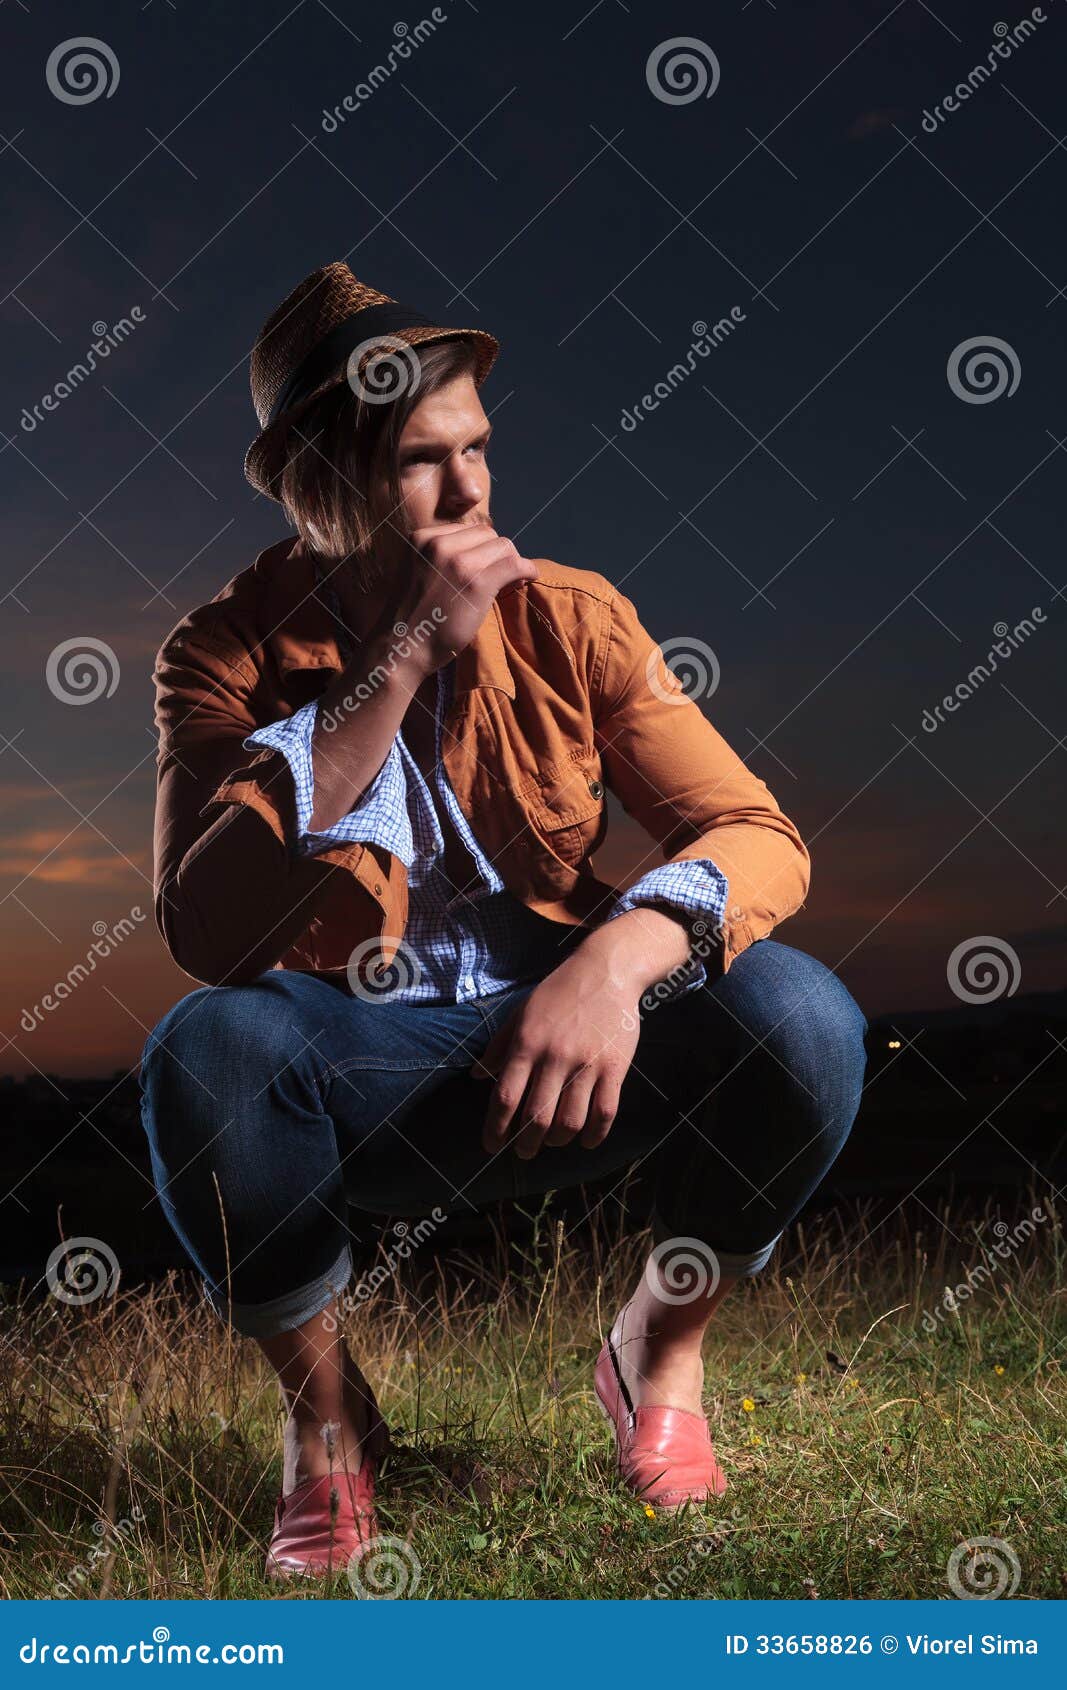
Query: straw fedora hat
x,y
322,334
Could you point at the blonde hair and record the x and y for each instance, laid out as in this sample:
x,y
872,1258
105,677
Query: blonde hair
x,y
341,442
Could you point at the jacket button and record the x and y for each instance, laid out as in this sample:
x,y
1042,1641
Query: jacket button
x,y
377,889
596,787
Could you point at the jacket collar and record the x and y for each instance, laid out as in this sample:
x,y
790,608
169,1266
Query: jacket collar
x,y
302,634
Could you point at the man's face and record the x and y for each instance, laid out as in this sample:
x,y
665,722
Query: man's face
x,y
441,462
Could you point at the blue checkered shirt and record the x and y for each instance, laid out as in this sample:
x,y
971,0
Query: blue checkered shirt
x,y
465,944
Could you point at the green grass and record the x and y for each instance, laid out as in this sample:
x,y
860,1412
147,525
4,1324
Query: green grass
x,y
140,1439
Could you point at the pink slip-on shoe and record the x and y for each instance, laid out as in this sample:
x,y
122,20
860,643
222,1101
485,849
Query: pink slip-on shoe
x,y
304,1540
664,1454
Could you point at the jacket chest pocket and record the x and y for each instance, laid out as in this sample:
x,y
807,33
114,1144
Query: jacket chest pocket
x,y
568,812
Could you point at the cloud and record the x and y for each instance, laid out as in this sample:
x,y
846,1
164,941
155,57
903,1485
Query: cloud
x,y
21,792
57,856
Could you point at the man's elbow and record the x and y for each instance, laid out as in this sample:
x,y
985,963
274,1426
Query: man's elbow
x,y
202,952
793,877
802,869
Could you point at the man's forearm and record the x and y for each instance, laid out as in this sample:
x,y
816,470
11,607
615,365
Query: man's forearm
x,y
357,720
638,948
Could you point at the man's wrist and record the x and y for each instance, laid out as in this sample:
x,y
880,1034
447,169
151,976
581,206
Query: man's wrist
x,y
382,664
640,946
396,659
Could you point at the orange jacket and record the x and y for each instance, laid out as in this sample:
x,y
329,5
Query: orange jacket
x,y
553,702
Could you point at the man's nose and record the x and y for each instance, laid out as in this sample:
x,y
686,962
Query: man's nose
x,y
463,491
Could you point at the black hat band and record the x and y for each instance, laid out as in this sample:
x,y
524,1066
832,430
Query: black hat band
x,y
336,347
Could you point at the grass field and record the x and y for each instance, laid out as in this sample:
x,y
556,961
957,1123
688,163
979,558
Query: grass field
x,y
866,1430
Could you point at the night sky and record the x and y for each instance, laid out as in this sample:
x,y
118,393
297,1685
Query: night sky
x,y
816,503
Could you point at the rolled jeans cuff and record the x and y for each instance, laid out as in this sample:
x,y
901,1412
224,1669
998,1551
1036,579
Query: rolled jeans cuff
x,y
732,1264
293,1308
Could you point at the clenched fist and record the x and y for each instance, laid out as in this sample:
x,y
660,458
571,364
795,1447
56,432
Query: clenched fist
x,y
458,568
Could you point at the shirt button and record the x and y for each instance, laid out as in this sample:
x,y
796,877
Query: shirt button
x,y
596,787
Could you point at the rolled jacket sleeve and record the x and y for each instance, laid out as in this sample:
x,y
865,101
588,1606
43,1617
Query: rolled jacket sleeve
x,y
379,818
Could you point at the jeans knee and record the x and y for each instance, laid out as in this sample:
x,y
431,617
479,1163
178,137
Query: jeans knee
x,y
797,1010
830,1027
211,1048
833,1025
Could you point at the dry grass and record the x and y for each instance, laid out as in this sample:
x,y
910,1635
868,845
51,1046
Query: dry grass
x,y
140,1439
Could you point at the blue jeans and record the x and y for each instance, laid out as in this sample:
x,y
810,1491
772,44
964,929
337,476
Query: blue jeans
x,y
271,1107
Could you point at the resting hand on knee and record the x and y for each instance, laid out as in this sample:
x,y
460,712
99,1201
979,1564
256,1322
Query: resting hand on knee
x,y
560,1061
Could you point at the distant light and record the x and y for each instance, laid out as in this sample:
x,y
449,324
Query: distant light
x,y
894,1044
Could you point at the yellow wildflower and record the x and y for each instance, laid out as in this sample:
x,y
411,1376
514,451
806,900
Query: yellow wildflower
x,y
650,1511
749,1406
998,1370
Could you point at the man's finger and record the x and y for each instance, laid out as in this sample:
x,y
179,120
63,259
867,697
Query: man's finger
x,y
572,1108
488,1065
420,535
506,1098
504,573
603,1108
538,1110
